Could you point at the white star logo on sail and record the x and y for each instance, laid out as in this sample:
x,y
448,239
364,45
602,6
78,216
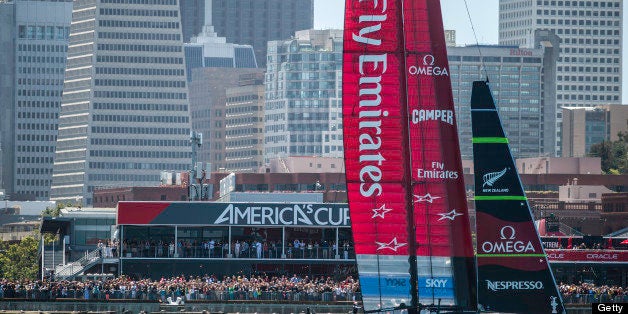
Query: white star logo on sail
x,y
380,212
426,198
392,245
450,215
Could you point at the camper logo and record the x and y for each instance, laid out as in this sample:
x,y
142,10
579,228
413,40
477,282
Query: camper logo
x,y
490,179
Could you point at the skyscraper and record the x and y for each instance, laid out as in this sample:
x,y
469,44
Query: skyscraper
x,y
252,22
208,50
303,96
124,113
208,106
517,80
33,45
589,70
244,124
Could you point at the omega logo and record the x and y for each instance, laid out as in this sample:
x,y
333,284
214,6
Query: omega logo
x,y
503,233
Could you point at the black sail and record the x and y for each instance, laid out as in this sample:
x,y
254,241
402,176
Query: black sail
x,y
513,271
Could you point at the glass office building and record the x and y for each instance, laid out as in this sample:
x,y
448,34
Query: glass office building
x,y
303,96
517,82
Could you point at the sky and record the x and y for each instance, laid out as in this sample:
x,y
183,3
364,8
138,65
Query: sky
x,y
484,14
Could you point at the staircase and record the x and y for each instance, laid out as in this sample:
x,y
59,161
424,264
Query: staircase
x,y
52,259
566,230
75,268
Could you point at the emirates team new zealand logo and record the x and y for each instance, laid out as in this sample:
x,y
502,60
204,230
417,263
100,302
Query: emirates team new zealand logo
x,y
490,179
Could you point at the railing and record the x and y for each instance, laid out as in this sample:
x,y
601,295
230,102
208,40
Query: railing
x,y
594,298
221,251
162,295
76,267
226,296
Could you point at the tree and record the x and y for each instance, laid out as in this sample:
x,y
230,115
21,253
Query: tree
x,y
19,261
614,155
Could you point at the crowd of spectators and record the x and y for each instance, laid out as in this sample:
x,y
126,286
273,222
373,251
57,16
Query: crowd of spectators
x,y
210,288
589,293
217,248
271,288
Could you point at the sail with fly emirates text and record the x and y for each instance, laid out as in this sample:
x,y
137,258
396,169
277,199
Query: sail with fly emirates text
x,y
404,176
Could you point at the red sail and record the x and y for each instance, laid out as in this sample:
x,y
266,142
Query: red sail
x,y
401,153
374,142
376,150
440,200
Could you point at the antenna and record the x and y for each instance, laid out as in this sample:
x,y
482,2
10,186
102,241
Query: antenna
x,y
199,171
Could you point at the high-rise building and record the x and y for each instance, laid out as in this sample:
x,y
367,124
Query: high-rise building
x,y
517,80
207,50
584,127
124,113
303,96
589,69
244,124
33,45
208,107
252,22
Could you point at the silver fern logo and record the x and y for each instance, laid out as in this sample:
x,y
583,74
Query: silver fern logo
x,y
490,179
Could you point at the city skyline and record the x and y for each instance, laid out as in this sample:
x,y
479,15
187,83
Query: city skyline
x,y
484,14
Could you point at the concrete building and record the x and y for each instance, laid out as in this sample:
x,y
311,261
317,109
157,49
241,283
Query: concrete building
x,y
548,165
244,124
589,69
33,45
303,96
208,107
250,22
583,127
518,83
207,50
574,193
124,113
307,164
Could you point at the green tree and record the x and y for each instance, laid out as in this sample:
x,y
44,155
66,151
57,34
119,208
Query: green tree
x,y
614,155
19,261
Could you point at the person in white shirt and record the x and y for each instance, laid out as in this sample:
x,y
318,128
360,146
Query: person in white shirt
x,y
258,247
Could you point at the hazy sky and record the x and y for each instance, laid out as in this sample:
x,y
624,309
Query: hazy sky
x,y
484,14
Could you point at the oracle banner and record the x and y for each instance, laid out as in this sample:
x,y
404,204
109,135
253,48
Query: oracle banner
x,y
610,256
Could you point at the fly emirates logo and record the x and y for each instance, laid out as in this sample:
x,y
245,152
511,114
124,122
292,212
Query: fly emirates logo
x,y
371,67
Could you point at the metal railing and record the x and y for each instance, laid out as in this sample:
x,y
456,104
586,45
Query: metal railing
x,y
154,294
95,294
74,268
594,298
221,251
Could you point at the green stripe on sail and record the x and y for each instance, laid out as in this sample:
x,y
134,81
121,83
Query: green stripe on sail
x,y
490,140
501,198
510,255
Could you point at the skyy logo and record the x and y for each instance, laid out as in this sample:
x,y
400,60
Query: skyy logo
x,y
435,283
394,282
490,179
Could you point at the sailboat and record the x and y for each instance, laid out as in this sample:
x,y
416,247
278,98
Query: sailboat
x,y
513,270
407,200
404,176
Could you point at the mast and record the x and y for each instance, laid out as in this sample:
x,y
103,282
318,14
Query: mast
x,y
513,269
